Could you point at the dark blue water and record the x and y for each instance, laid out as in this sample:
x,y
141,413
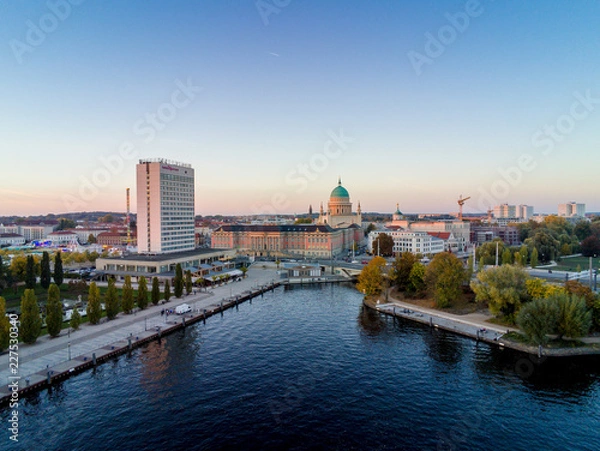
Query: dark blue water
x,y
311,369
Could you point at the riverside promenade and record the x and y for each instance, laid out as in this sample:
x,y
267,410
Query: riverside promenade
x,y
476,326
58,358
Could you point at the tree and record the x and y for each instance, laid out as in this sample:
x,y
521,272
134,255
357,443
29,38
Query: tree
x,y
178,281
534,258
142,294
503,288
383,245
58,269
127,295
167,294
370,228
3,271
30,278
507,257
155,293
94,307
54,314
65,223
537,319
524,251
92,238
518,259
75,319
244,270
31,320
576,288
444,277
188,282
401,269
574,319
45,275
590,247
582,230
4,326
111,300
370,279
417,279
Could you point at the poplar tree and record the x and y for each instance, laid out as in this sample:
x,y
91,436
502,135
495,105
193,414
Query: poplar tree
x,y
45,276
142,294
54,314
31,320
178,282
167,290
155,294
94,308
58,269
127,295
111,300
188,282
75,319
30,273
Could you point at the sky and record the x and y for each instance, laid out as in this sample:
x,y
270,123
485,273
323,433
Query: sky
x,y
409,102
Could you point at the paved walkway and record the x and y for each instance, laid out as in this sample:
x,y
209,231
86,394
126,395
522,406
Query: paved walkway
x,y
49,352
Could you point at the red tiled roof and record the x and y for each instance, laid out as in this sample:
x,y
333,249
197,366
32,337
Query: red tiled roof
x,y
442,235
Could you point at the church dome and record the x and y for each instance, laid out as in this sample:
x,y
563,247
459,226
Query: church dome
x,y
340,191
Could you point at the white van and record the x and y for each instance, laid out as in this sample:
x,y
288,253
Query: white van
x,y
183,308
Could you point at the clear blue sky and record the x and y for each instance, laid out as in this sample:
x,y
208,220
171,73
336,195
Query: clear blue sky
x,y
276,84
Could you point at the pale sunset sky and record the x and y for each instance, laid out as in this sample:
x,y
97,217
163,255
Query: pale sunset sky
x,y
410,102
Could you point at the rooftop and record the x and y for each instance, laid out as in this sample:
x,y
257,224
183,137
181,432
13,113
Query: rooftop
x,y
170,256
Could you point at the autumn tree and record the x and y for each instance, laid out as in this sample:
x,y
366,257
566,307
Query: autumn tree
x,y
31,320
370,279
127,295
54,313
4,326
444,277
383,245
155,293
111,300
503,288
537,319
533,262
416,279
75,319
590,247
94,308
142,294
45,274
574,319
401,268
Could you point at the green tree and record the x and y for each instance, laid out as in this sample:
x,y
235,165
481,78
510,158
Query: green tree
x,y
534,258
65,223
58,269
503,288
54,313
31,320
444,277
188,282
417,279
518,259
30,273
155,293
4,326
92,238
524,251
178,281
127,295
94,308
111,300
401,268
590,247
370,279
45,275
507,257
537,319
167,294
574,319
244,270
142,294
3,274
75,319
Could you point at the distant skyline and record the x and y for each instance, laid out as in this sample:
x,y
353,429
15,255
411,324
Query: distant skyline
x,y
413,103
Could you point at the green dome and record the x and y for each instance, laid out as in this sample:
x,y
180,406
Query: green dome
x,y
340,191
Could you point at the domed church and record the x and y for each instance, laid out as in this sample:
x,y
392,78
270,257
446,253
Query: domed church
x,y
339,210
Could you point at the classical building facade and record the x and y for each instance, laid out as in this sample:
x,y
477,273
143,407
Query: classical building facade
x,y
339,210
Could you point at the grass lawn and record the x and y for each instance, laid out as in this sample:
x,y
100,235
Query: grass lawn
x,y
570,264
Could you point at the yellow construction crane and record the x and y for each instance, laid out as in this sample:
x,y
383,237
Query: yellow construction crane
x,y
461,202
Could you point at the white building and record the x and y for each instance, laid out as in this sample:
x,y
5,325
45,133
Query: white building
x,y
11,239
409,241
525,212
33,232
83,234
572,209
165,206
505,211
62,238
